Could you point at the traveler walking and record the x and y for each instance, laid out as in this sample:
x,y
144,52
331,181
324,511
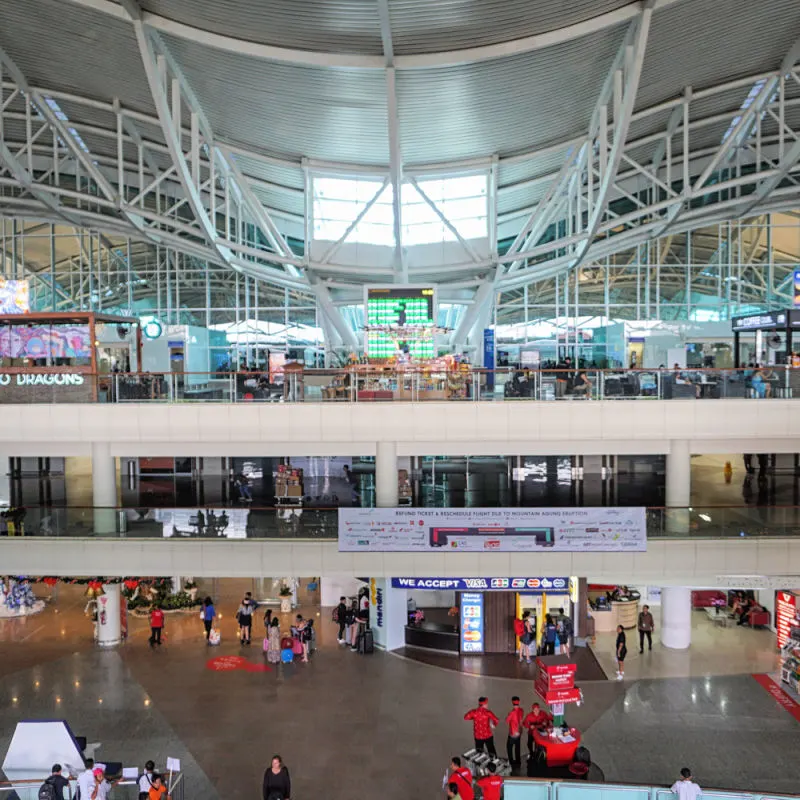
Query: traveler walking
x,y
565,631
277,784
621,652
686,788
54,785
274,641
340,617
483,720
646,626
244,616
156,625
207,615
514,722
146,780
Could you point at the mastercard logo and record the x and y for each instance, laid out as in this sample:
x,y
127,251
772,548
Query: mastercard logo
x,y
472,636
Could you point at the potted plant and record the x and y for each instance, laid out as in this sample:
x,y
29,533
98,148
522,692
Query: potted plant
x,y
191,588
285,594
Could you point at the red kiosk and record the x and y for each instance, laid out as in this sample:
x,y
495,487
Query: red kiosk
x,y
555,684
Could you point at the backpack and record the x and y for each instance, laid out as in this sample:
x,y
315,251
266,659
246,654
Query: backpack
x,y
47,791
335,615
568,628
519,627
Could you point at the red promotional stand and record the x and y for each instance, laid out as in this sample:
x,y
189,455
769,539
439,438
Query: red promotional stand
x,y
555,684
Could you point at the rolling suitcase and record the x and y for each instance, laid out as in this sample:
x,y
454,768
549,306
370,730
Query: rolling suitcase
x,y
366,643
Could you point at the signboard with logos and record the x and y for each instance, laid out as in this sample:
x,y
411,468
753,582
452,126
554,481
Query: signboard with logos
x,y
492,529
53,384
528,585
760,322
472,622
785,613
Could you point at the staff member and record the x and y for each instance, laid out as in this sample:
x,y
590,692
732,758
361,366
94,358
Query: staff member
x,y
646,627
491,784
537,718
482,722
514,722
462,778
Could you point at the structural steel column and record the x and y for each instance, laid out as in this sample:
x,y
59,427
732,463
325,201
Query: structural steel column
x,y
676,617
386,475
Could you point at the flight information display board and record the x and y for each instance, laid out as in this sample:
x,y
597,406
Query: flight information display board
x,y
400,318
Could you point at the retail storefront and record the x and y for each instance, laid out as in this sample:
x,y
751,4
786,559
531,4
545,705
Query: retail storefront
x,y
474,616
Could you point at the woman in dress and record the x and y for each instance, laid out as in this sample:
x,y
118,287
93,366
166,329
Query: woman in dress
x,y
274,639
622,651
529,636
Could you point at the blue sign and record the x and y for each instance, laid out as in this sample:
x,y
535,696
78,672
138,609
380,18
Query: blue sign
x,y
472,622
530,585
488,355
796,284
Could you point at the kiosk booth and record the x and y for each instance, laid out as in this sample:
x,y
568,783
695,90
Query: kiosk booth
x,y
772,334
64,356
480,619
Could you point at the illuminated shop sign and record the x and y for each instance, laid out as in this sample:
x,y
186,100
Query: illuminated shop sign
x,y
471,622
482,584
42,379
785,612
775,319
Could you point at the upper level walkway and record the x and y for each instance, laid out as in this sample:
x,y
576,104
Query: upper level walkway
x,y
367,383
521,789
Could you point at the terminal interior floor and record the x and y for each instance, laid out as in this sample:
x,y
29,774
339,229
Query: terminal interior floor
x,y
378,724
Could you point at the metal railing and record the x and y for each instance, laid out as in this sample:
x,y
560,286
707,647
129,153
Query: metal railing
x,y
270,522
28,788
536,789
365,384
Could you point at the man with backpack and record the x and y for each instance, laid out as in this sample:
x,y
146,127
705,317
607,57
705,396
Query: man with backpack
x,y
53,788
565,631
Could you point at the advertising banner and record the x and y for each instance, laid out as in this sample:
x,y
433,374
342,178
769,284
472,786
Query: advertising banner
x,y
471,622
530,585
14,297
785,612
472,530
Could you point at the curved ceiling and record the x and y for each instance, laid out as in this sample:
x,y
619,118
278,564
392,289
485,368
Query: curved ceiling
x,y
577,105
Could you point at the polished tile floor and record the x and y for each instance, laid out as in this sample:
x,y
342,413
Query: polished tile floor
x,y
377,725
714,651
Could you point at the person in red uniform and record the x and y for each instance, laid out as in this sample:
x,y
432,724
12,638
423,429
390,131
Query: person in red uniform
x,y
491,784
462,778
538,718
156,626
482,722
514,722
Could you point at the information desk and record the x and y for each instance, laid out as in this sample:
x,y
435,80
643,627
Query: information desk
x,y
433,636
619,612
558,753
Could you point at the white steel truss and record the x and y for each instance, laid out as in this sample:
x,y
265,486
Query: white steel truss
x,y
168,181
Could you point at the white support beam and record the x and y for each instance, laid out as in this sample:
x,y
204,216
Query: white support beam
x,y
334,315
634,60
158,93
768,185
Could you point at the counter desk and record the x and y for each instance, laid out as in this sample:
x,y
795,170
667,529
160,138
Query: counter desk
x,y
619,612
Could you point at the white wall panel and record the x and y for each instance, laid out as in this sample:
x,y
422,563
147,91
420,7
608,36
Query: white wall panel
x,y
446,428
680,562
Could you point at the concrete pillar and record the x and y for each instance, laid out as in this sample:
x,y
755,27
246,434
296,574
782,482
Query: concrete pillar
x,y
678,486
386,475
676,617
104,488
109,627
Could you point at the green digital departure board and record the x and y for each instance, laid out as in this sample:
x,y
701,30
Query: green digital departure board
x,y
400,317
